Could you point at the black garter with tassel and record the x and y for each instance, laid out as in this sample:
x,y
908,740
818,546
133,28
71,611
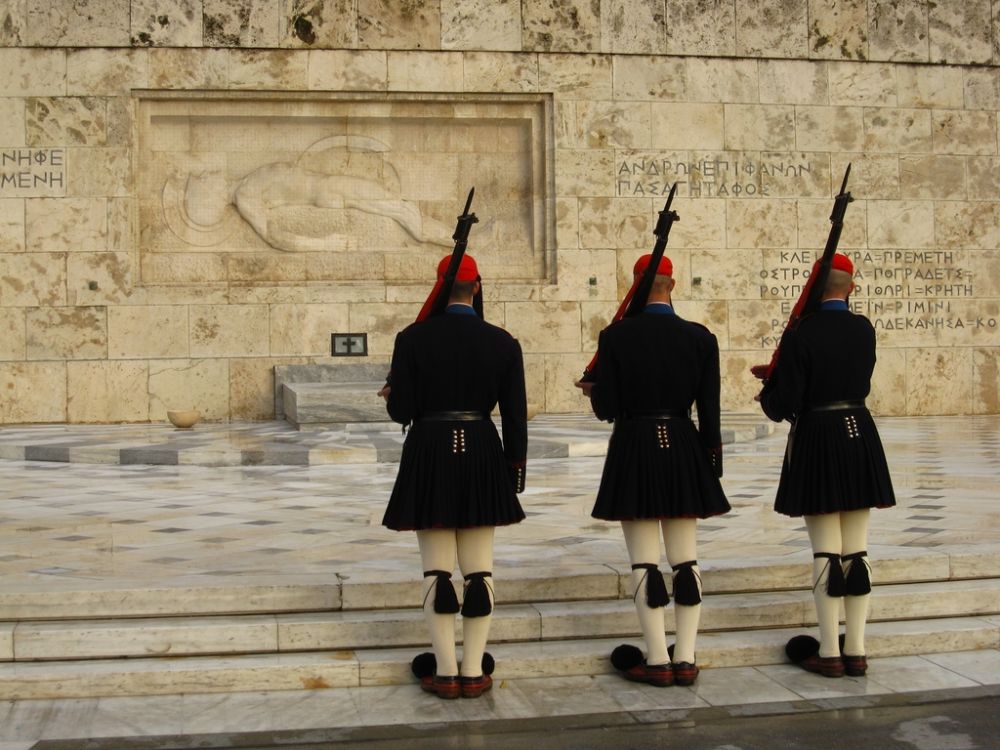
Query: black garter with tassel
x,y
686,590
476,600
445,598
656,587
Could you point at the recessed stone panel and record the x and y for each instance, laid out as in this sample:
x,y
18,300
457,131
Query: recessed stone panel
x,y
320,189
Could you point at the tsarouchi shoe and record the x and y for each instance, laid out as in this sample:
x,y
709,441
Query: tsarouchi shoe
x,y
828,666
442,687
855,666
660,675
473,687
685,673
629,661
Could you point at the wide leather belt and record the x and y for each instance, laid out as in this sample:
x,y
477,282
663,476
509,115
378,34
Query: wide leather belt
x,y
661,414
836,406
452,416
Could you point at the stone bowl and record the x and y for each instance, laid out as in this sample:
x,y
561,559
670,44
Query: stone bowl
x,y
183,418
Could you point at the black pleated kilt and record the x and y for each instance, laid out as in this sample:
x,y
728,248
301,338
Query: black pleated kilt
x,y
643,479
449,483
834,462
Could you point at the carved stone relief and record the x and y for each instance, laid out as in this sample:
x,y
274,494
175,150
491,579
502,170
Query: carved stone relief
x,y
281,190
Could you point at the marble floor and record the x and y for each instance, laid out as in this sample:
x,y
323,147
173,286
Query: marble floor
x,y
78,527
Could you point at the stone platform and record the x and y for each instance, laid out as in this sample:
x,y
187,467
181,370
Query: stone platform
x,y
279,443
256,579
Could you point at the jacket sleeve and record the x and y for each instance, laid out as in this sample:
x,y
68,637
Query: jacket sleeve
x,y
514,417
783,395
707,401
604,394
401,403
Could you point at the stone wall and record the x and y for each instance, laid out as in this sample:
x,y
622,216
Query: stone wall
x,y
754,107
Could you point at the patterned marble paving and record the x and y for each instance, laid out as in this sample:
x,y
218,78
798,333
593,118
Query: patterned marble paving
x,y
84,526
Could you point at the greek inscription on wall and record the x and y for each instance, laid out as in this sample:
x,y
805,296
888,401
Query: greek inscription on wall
x,y
898,290
703,178
32,172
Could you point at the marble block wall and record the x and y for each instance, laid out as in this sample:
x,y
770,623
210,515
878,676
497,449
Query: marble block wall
x,y
127,287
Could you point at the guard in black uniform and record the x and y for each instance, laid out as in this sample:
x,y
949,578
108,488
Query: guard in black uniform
x,y
661,472
835,469
456,481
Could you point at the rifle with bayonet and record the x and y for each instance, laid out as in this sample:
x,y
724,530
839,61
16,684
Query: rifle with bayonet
x,y
635,301
812,292
437,301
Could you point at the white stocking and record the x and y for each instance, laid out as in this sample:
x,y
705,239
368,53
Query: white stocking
x,y
643,541
475,555
854,529
680,536
824,535
437,552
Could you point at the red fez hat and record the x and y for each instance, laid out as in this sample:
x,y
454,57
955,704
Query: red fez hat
x,y
840,262
666,268
467,269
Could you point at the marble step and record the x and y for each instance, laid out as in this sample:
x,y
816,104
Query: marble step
x,y
364,590
318,405
549,621
324,669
